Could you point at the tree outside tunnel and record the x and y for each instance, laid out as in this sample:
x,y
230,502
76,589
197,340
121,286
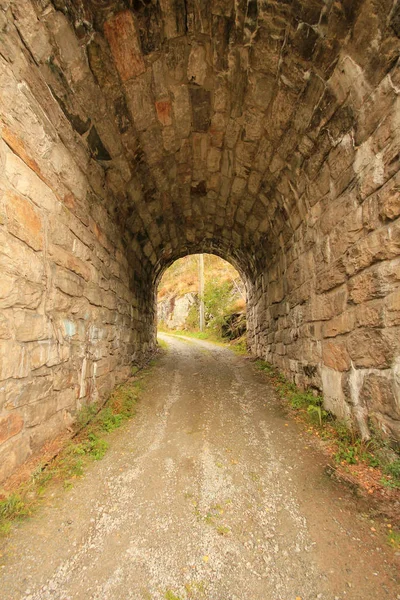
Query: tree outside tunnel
x,y
134,134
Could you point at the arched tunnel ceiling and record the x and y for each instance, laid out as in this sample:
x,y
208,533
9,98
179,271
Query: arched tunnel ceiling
x,y
215,116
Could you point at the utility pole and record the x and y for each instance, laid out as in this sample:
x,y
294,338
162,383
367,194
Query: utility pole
x,y
201,291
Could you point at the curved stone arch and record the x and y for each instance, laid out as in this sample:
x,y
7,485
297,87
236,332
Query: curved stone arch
x,y
206,247
133,133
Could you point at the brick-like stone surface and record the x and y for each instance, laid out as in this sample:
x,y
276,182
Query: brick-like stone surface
x,y
121,34
132,136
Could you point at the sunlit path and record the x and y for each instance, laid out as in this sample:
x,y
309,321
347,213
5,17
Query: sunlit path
x,y
208,494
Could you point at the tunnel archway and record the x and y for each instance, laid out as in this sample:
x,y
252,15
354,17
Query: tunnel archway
x,y
133,133
204,295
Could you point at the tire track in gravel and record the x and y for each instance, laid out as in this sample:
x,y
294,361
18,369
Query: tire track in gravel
x,y
209,493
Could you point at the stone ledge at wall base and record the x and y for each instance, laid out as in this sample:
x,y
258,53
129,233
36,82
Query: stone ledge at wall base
x,y
50,423
360,398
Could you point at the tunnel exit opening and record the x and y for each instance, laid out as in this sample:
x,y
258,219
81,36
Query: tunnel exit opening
x,y
202,294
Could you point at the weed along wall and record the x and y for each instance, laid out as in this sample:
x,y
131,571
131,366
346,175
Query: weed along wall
x,y
267,134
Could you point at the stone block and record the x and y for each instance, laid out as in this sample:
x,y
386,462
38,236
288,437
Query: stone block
x,y
32,30
331,276
326,306
175,57
66,399
201,108
68,282
217,129
164,112
5,327
334,398
66,259
30,326
392,309
338,209
389,199
182,110
335,355
339,325
10,425
14,360
40,412
65,377
368,348
197,69
213,160
369,314
12,454
381,244
365,286
174,17
24,220
53,425
49,353
379,394
141,102
122,36
24,391
19,293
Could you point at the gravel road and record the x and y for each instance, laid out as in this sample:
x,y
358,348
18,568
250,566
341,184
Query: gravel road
x,y
210,492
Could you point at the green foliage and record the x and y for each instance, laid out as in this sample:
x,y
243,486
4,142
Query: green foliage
x,y
108,420
93,446
355,452
393,469
86,414
391,478
92,424
262,365
239,346
394,539
162,344
223,290
13,507
217,302
169,595
317,411
350,449
193,318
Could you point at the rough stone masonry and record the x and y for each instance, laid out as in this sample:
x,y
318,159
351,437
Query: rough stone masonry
x,y
134,132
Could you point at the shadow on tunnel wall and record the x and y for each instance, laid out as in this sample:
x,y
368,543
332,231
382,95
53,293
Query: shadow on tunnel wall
x,y
132,135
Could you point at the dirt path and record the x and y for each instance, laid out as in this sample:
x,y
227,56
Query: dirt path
x,y
208,493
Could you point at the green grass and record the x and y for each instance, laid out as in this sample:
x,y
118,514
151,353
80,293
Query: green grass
x,y
391,474
303,400
13,507
198,335
162,343
394,539
170,595
238,346
350,449
93,424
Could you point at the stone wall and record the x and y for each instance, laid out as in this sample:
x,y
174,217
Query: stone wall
x,y
133,134
327,310
71,321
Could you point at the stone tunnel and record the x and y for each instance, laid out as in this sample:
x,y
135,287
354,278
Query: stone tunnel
x,y
134,132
